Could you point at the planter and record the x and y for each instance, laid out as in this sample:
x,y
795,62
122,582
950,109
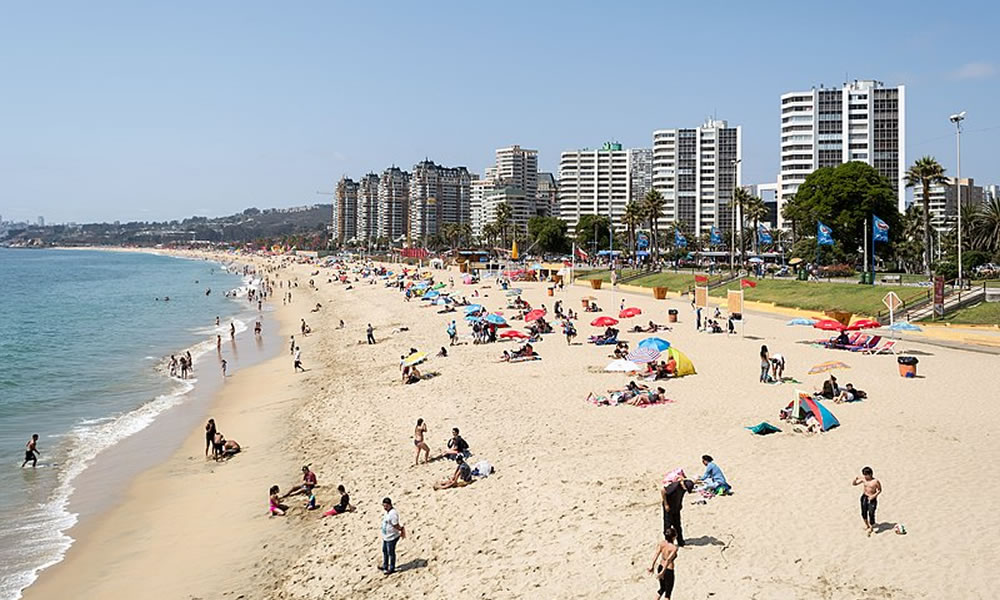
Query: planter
x,y
660,293
596,284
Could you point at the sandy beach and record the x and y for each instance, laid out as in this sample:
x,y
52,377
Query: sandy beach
x,y
573,509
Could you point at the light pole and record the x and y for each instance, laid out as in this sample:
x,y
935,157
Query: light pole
x,y
732,203
957,120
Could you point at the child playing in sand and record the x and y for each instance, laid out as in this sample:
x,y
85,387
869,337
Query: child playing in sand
x,y
275,507
869,497
344,505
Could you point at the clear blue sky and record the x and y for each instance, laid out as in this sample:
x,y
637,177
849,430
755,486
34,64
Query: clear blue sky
x,y
159,110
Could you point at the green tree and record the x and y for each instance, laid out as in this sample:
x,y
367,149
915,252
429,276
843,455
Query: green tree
x,y
741,197
590,229
549,233
653,206
502,221
633,218
984,228
756,211
926,172
845,197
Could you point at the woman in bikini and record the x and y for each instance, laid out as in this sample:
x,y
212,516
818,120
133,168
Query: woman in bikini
x,y
418,441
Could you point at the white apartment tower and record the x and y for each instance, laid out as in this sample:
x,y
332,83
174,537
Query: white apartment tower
x,y
596,182
345,211
513,180
696,171
944,201
862,121
438,195
367,215
393,204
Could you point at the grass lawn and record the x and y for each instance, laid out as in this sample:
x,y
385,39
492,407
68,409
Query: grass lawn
x,y
984,313
812,295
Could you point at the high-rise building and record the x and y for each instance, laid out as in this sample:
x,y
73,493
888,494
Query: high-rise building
x,y
517,167
991,192
512,180
641,173
345,211
863,121
596,182
367,217
547,195
393,204
768,193
944,201
696,171
438,195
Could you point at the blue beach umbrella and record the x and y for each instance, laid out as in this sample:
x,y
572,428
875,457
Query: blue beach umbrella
x,y
431,295
473,308
496,319
904,326
802,321
473,318
659,344
442,301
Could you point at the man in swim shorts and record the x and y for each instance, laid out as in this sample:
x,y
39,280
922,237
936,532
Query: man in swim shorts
x,y
31,452
869,497
666,552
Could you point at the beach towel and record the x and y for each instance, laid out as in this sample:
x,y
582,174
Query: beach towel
x,y
763,428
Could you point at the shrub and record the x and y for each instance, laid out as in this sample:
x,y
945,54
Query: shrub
x,y
842,270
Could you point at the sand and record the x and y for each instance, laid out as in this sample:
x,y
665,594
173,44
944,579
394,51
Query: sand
x,y
573,509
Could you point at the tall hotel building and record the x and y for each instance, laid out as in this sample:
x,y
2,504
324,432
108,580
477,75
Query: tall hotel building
x,y
393,204
345,211
367,218
598,182
512,180
862,121
438,195
696,171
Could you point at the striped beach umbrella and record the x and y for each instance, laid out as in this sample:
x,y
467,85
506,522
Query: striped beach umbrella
x,y
643,355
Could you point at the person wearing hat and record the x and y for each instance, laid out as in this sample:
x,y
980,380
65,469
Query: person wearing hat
x,y
672,496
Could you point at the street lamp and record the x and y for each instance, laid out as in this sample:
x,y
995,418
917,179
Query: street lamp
x,y
957,120
732,204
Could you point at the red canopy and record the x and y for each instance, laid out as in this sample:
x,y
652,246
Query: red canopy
x,y
534,315
513,333
829,325
604,322
629,312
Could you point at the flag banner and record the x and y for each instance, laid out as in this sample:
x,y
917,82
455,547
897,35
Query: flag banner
x,y
763,235
641,241
581,254
700,279
714,237
745,283
880,230
679,239
824,235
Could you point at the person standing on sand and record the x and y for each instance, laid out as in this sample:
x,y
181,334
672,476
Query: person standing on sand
x,y
291,345
418,441
297,365
371,334
218,343
31,452
210,431
765,364
190,361
869,497
224,364
666,552
392,532
672,496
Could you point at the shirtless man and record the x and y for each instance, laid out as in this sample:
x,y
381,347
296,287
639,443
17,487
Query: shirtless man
x,y
666,552
869,497
31,452
418,441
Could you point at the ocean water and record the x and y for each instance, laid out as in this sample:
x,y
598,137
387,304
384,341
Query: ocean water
x,y
83,340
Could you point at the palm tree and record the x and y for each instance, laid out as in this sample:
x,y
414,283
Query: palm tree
x,y
632,218
502,220
926,172
756,210
741,198
653,205
985,227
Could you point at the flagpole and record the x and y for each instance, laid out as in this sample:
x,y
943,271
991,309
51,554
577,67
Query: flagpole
x,y
866,246
872,233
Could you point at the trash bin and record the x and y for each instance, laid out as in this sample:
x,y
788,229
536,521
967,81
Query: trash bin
x,y
550,291
803,275
907,366
672,315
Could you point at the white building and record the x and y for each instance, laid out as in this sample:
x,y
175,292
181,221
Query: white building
x,y
944,201
512,180
518,167
769,193
367,217
696,171
597,182
345,211
393,204
862,121
438,195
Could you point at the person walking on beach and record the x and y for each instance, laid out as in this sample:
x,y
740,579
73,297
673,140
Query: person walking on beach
x,y
452,333
297,365
371,334
218,343
224,364
232,330
666,552
392,532
31,452
869,497
672,496
210,431
765,365
418,441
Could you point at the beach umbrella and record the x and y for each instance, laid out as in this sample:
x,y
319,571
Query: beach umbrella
x,y
472,308
514,334
473,318
441,301
430,295
755,260
801,321
604,322
658,344
514,292
440,285
904,326
863,324
629,312
534,315
829,325
643,355
495,319
414,359
827,366
590,298
621,366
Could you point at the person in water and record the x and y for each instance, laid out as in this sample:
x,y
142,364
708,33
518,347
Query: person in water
x,y
31,452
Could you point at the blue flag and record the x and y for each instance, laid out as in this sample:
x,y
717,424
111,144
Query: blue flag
x,y
679,239
642,241
714,237
763,235
880,230
824,235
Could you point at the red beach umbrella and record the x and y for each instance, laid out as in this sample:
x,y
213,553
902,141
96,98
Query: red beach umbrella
x,y
629,312
604,322
829,325
864,324
514,334
534,315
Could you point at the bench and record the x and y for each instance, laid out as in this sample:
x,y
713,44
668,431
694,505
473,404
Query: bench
x,y
892,279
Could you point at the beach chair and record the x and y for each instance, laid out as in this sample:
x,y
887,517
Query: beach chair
x,y
867,345
852,340
887,347
611,341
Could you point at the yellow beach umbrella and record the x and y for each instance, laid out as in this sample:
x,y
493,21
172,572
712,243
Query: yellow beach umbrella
x,y
414,359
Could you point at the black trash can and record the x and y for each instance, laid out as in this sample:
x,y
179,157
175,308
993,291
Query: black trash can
x,y
907,366
672,315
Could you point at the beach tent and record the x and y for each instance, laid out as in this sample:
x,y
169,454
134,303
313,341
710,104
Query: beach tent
x,y
684,364
805,405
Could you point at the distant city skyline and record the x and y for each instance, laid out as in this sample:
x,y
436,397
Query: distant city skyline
x,y
159,112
